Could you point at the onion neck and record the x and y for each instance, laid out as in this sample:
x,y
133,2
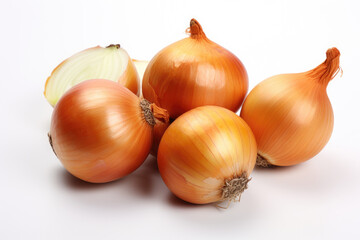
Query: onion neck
x,y
117,46
326,71
195,30
159,113
152,112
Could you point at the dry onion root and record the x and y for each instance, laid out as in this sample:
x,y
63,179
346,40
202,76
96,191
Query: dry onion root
x,y
195,72
111,63
100,131
291,115
206,155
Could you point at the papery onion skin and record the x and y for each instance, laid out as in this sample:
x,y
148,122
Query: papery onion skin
x,y
195,72
291,115
91,60
202,150
99,132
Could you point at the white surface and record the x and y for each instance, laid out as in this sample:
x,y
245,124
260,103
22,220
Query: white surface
x,y
40,200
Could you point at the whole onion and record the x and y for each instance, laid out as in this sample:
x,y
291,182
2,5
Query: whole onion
x,y
195,72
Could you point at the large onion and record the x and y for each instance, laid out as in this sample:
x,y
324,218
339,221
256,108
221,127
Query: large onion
x,y
291,115
101,131
195,72
206,155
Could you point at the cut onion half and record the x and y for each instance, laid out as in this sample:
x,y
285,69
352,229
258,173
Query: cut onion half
x,y
112,63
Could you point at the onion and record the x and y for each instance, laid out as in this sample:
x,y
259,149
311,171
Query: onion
x,y
206,155
112,63
195,72
291,115
101,131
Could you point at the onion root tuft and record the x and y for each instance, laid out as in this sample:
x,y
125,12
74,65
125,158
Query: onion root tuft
x,y
51,143
146,109
262,162
233,188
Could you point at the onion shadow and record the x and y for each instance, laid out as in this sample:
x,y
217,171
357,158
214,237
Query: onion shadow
x,y
140,182
174,201
74,183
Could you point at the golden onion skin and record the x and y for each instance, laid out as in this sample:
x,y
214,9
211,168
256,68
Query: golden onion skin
x,y
291,115
98,131
202,149
195,72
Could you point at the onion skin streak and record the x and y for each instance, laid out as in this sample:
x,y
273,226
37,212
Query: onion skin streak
x,y
99,132
204,148
291,115
195,72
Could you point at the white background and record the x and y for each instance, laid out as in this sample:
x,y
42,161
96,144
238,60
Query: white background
x,y
40,200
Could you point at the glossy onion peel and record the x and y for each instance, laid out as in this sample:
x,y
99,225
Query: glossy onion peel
x,y
195,72
291,115
111,63
206,155
100,131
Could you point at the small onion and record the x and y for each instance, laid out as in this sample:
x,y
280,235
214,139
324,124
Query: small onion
x,y
291,115
195,72
101,131
112,63
206,155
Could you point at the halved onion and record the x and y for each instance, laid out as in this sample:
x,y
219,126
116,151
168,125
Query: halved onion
x,y
111,63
